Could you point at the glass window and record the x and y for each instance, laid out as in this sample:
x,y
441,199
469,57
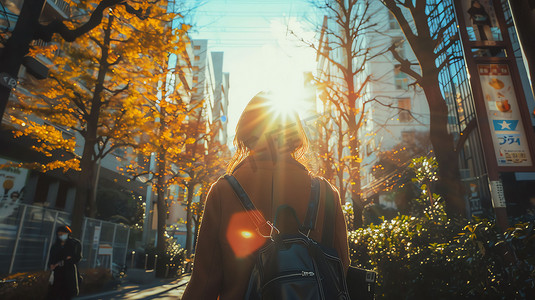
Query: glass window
x,y
401,79
392,22
405,107
399,42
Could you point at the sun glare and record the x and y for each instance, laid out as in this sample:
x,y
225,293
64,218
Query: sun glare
x,y
287,101
246,234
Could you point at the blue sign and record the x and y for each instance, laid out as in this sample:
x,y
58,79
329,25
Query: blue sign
x,y
505,125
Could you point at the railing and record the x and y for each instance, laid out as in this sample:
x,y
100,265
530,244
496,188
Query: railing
x,y
63,5
27,232
103,244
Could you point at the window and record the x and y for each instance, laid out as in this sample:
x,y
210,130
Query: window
x,y
392,22
195,68
196,47
399,43
119,152
195,79
407,137
197,58
370,147
401,79
405,107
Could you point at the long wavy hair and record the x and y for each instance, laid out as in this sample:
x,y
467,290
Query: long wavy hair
x,y
261,128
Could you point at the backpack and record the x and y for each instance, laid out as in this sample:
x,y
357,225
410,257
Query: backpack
x,y
294,266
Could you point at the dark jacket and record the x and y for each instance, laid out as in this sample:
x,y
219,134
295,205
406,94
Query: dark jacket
x,y
227,238
65,277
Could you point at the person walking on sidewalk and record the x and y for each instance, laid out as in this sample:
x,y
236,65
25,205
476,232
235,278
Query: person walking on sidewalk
x,y
269,164
65,254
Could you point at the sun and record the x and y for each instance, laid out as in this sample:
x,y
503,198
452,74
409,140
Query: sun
x,y
288,101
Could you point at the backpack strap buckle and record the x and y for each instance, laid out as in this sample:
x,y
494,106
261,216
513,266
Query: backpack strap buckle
x,y
272,228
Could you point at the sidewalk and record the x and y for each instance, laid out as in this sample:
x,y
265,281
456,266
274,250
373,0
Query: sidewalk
x,y
159,289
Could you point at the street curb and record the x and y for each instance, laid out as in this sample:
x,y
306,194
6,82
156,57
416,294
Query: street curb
x,y
149,285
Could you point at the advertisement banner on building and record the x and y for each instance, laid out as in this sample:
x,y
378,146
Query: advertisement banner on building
x,y
481,22
505,121
12,180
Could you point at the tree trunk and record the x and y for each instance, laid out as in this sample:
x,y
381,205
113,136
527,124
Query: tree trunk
x,y
85,187
83,190
189,218
161,211
354,171
449,184
17,46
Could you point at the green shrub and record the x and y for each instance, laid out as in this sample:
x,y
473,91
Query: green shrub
x,y
429,256
174,260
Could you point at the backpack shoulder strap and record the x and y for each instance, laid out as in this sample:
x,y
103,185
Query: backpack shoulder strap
x,y
245,201
327,238
260,221
253,213
312,210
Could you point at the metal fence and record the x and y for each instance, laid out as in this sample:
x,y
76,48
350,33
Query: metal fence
x,y
104,244
26,234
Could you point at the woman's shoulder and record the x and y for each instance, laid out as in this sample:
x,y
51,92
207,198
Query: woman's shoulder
x,y
326,182
219,184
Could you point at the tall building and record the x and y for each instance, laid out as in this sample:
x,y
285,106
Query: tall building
x,y
396,115
209,85
486,89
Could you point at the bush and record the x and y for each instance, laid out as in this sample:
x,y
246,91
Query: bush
x,y
97,280
36,284
174,260
24,284
431,256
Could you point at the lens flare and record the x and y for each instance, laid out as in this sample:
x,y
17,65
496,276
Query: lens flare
x,y
242,236
246,234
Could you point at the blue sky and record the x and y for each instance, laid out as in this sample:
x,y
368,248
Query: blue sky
x,y
260,52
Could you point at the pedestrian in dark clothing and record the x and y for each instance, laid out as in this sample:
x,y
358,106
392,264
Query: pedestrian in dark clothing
x,y
65,254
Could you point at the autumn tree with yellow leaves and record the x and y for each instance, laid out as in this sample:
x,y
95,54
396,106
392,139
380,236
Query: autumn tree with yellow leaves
x,y
94,97
202,163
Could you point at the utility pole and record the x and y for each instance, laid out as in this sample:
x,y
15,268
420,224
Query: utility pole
x,y
17,46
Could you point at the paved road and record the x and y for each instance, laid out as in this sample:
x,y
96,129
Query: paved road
x,y
158,290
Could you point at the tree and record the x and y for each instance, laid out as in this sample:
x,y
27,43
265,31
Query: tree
x,y
432,49
344,86
28,29
332,142
166,107
119,207
392,167
88,94
392,171
202,163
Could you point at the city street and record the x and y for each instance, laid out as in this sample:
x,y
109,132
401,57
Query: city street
x,y
141,140
160,289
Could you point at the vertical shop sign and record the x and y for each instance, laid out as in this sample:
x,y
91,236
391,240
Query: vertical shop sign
x,y
481,22
507,130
